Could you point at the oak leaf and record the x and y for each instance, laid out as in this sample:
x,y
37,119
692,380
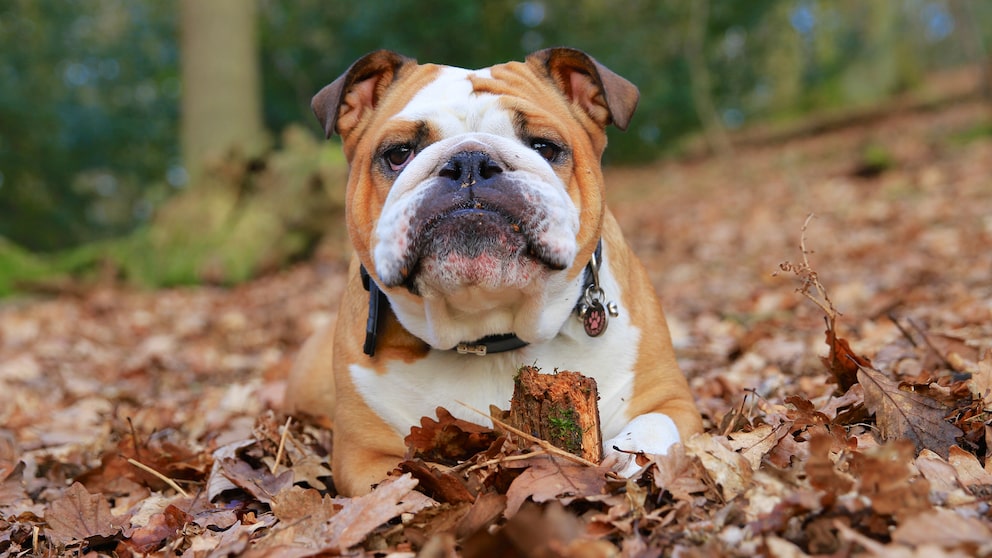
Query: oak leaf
x,y
448,440
902,414
843,362
80,515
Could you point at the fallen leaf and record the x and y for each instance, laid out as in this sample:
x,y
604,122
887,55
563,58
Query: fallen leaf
x,y
842,362
79,515
902,414
678,473
944,528
945,488
980,382
448,440
360,516
549,478
160,528
550,531
886,477
260,483
972,476
754,445
726,467
821,471
297,502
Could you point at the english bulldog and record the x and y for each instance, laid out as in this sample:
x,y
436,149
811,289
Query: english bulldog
x,y
475,204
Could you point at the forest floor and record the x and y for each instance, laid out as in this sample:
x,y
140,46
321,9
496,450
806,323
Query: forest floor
x,y
104,384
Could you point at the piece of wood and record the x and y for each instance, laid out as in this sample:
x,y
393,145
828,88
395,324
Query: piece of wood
x,y
560,408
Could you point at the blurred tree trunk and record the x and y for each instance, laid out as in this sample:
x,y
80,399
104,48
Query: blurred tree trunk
x,y
221,99
245,211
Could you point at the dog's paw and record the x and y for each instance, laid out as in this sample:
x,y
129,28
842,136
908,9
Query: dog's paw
x,y
651,433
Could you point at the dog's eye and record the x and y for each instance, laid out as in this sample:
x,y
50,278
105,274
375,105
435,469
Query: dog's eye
x,y
398,157
546,149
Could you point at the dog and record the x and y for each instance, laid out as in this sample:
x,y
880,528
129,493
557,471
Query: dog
x,y
482,242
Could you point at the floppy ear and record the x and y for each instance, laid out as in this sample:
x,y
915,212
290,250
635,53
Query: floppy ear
x,y
603,95
340,105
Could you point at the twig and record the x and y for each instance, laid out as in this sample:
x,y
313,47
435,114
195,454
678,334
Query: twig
x,y
811,280
926,339
134,438
282,445
901,329
505,459
158,475
545,445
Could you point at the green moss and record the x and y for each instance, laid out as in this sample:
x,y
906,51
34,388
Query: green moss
x,y
19,267
565,430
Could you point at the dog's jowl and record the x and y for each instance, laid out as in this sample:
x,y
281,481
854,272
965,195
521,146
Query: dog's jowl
x,y
475,205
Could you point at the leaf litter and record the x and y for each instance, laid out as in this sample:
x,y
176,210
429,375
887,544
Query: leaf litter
x,y
148,423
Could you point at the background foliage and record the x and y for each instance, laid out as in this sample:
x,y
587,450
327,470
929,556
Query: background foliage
x,y
89,108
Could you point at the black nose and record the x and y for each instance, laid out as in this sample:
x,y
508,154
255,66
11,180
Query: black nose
x,y
470,168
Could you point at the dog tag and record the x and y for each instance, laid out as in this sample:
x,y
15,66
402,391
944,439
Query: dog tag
x,y
594,319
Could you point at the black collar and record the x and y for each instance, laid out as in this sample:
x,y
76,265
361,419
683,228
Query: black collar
x,y
489,344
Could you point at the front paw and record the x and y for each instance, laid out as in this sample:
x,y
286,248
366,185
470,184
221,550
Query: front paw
x,y
652,433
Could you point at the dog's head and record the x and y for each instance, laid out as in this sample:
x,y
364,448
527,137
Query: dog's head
x,y
475,197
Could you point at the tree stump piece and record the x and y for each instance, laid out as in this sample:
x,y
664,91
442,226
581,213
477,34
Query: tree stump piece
x,y
560,408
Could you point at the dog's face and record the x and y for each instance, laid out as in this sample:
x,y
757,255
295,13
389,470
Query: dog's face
x,y
476,197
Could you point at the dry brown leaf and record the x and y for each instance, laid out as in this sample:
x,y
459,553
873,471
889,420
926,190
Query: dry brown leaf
x,y
726,467
485,511
980,382
944,528
944,485
79,515
440,485
756,444
886,477
904,414
360,516
260,483
549,478
160,528
678,473
842,362
972,476
448,440
298,502
821,471
550,531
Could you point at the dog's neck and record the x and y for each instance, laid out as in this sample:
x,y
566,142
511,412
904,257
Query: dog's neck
x,y
590,310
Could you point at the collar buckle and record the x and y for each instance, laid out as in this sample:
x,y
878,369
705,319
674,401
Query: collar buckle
x,y
472,349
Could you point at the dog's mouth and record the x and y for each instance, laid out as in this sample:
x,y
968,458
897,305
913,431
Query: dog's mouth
x,y
475,242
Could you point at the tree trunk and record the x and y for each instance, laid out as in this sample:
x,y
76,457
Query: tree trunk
x,y
245,211
221,98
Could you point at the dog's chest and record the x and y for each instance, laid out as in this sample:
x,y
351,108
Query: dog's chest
x,y
408,391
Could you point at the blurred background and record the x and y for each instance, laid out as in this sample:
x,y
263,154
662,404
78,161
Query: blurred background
x,y
171,141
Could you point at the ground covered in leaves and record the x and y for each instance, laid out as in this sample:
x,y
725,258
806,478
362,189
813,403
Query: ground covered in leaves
x,y
148,423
